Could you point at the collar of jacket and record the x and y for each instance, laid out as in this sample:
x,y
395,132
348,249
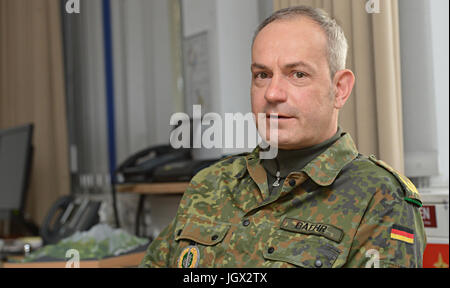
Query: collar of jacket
x,y
323,169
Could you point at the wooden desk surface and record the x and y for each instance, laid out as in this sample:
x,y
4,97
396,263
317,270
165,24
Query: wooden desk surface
x,y
154,188
127,260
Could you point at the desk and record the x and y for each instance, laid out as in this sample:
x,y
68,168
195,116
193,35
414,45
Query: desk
x,y
123,261
153,188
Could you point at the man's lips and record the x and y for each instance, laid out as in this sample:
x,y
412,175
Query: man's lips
x,y
278,116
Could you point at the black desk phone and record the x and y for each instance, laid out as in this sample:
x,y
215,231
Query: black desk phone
x,y
68,215
140,166
160,164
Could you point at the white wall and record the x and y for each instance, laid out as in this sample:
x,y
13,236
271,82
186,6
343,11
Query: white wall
x,y
236,23
265,9
440,49
419,118
424,56
230,25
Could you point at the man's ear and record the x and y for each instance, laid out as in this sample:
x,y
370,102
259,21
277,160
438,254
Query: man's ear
x,y
343,84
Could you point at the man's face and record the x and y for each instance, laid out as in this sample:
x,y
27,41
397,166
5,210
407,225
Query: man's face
x,y
291,78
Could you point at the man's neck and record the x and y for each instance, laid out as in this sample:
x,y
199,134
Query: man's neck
x,y
288,161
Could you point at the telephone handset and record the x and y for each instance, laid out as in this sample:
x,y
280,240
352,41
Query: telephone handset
x,y
140,166
67,216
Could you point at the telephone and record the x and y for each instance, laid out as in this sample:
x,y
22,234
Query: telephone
x,y
180,171
68,215
161,164
140,166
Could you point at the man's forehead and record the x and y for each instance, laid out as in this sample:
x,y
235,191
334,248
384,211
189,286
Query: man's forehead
x,y
296,25
288,35
288,43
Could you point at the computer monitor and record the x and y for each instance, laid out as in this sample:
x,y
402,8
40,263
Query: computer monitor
x,y
15,162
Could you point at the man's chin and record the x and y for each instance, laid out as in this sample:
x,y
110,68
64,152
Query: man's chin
x,y
284,146
280,142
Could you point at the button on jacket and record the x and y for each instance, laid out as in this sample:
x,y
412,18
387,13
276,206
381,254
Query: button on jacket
x,y
342,209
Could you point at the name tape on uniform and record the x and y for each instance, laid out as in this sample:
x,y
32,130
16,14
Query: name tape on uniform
x,y
326,230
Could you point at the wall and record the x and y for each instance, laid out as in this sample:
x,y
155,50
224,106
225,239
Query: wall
x,y
439,37
230,26
424,49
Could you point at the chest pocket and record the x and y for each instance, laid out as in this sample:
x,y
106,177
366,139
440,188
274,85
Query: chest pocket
x,y
206,235
285,249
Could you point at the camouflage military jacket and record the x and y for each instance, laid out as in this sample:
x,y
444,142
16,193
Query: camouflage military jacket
x,y
342,209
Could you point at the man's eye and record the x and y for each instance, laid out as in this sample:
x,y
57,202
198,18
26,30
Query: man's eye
x,y
261,75
299,74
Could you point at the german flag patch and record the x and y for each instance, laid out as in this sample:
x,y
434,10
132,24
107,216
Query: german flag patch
x,y
402,234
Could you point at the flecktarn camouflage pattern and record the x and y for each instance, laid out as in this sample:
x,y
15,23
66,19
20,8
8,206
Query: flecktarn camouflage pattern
x,y
343,209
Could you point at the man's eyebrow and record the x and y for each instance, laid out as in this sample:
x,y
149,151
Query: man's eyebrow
x,y
299,64
258,66
287,66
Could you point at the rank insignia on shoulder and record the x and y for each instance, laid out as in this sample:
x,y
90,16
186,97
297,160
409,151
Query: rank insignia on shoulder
x,y
411,192
189,257
402,234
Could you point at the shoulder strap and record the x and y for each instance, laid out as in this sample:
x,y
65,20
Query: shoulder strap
x,y
411,192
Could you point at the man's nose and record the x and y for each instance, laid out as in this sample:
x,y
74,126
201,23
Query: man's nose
x,y
276,90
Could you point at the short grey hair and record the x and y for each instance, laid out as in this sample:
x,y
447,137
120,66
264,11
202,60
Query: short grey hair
x,y
337,43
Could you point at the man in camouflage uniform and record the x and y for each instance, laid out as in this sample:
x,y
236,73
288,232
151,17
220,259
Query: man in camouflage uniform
x,y
319,203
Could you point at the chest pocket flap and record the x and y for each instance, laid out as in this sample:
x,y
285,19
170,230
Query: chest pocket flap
x,y
307,252
202,231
